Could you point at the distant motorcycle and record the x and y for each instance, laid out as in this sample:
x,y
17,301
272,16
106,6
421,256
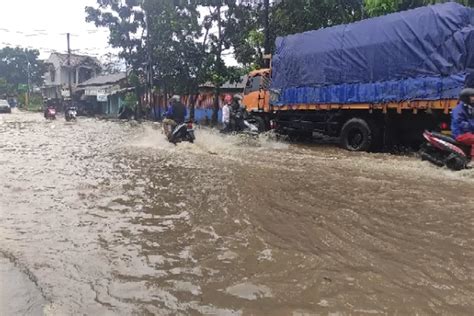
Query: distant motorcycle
x,y
442,150
182,133
71,114
50,113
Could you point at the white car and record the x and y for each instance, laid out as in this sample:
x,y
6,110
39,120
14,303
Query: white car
x,y
5,107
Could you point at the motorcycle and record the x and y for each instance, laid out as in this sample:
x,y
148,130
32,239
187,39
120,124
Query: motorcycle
x,y
50,113
183,132
71,114
250,127
242,123
442,150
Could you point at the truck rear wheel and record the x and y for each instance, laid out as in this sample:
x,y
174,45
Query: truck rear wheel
x,y
357,135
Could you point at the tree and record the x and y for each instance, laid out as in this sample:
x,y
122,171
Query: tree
x,y
173,37
159,40
20,66
126,23
222,17
257,23
296,16
246,33
381,7
111,64
5,88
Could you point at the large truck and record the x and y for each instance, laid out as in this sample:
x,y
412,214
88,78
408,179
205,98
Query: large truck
x,y
380,81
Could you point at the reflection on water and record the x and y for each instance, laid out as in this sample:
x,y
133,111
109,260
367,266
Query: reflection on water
x,y
109,218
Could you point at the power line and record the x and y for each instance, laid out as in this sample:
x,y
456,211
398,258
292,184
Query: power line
x,y
48,33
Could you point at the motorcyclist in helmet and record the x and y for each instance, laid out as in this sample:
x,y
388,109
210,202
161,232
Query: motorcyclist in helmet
x,y
462,119
48,105
237,113
175,115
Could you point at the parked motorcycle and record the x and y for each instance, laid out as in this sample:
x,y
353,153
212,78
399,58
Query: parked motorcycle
x,y
182,133
71,114
442,150
50,113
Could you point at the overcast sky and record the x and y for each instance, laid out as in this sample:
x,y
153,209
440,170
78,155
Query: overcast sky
x,y
43,24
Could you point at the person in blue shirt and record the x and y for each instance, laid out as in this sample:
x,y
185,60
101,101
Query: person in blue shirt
x,y
462,119
175,115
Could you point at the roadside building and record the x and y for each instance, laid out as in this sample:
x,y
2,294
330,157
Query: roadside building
x,y
56,79
103,95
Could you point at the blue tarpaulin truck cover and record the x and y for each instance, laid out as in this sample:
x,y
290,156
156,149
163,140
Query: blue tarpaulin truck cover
x,y
420,54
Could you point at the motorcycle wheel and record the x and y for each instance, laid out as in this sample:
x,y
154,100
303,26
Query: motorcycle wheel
x,y
456,163
432,155
260,123
191,137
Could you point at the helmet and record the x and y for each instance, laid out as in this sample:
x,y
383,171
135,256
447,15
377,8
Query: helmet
x,y
467,97
175,98
237,97
228,98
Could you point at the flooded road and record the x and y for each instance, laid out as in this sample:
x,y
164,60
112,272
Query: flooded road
x,y
106,218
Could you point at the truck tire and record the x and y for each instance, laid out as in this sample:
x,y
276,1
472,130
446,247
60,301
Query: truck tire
x,y
357,135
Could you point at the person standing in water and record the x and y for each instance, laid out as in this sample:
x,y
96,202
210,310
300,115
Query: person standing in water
x,y
226,112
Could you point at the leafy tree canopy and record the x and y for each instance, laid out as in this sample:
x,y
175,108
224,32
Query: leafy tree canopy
x,y
16,64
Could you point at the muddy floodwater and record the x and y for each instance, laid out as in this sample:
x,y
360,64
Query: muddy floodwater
x,y
106,218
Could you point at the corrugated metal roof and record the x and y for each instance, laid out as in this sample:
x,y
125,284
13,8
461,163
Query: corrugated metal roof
x,y
104,80
228,84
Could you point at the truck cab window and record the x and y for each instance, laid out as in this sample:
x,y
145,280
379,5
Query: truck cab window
x,y
253,84
266,81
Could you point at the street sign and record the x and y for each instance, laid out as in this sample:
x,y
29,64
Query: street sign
x,y
23,87
65,93
101,97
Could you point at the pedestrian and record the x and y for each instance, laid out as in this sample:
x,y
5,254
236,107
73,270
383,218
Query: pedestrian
x,y
226,112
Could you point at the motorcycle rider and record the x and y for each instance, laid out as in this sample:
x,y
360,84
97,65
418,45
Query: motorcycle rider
x,y
69,107
236,114
175,115
462,119
47,108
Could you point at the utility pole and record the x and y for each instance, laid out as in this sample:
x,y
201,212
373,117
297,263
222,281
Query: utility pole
x,y
218,84
69,64
151,97
266,4
29,79
267,48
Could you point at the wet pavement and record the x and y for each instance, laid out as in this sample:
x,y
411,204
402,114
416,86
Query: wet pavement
x,y
106,218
